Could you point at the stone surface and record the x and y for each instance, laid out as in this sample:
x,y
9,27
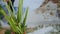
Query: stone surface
x,y
46,14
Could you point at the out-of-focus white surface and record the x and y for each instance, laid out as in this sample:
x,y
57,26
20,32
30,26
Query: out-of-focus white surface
x,y
46,30
32,4
35,19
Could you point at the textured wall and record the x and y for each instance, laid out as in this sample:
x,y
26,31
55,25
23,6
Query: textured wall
x,y
46,13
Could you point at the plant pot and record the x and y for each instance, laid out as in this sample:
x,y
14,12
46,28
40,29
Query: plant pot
x,y
24,32
15,33
12,32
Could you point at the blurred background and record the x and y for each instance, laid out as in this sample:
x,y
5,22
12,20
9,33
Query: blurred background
x,y
43,15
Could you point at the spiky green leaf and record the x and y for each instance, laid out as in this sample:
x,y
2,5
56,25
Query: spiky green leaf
x,y
10,21
24,21
20,9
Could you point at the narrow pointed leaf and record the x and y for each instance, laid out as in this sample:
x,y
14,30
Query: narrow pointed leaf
x,y
12,6
24,21
11,13
20,9
13,26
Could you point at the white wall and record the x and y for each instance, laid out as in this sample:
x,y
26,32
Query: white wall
x,y
32,4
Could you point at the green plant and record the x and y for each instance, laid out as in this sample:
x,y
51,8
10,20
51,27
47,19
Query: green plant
x,y
7,32
17,25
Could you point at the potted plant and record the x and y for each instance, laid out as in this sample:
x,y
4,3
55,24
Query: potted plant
x,y
17,23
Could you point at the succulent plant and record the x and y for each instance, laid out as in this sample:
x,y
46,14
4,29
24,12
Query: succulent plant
x,y
16,23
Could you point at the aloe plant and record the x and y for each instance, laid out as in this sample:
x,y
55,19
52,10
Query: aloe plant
x,y
16,24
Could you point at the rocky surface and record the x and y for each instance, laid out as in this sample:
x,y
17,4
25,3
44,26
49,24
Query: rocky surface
x,y
44,15
54,23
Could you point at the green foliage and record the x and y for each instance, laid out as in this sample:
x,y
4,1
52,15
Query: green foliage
x,y
1,15
7,32
17,25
